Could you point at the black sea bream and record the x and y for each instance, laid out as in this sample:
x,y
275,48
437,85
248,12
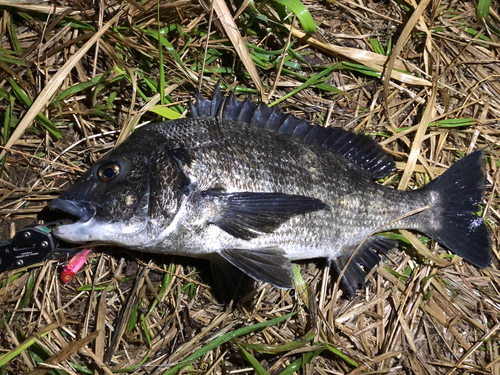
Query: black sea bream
x,y
260,189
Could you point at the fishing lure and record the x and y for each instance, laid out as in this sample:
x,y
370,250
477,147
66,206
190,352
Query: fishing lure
x,y
75,264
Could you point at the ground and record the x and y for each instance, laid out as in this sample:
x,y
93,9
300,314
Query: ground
x,y
75,79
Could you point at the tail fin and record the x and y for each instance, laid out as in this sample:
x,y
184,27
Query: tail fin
x,y
460,189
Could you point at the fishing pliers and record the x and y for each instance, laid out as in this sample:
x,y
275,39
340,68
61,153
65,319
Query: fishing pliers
x,y
30,246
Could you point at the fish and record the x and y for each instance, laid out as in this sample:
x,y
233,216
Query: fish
x,y
244,183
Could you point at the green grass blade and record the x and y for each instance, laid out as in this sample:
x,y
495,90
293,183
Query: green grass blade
x,y
87,287
300,284
10,355
132,319
403,278
7,123
313,80
483,9
27,102
73,90
6,57
30,285
483,12
168,46
473,32
453,123
77,24
293,367
291,64
145,331
11,278
191,290
20,94
40,355
450,123
395,236
377,47
274,349
27,295
300,10
108,78
13,39
360,69
225,338
165,112
327,87
389,47
310,355
125,75
82,369
167,279
152,84
262,51
160,60
339,354
131,368
296,55
297,364
259,369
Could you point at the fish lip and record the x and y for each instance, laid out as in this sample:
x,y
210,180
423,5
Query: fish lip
x,y
81,211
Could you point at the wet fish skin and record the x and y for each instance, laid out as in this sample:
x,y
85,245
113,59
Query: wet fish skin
x,y
234,157
208,186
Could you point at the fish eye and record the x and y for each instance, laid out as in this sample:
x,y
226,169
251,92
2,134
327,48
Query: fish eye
x,y
108,172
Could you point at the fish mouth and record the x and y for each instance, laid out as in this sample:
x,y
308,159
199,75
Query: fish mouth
x,y
85,225
72,210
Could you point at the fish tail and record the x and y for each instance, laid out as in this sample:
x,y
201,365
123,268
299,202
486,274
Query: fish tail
x,y
455,222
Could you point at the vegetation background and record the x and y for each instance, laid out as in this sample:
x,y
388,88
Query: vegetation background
x,y
77,76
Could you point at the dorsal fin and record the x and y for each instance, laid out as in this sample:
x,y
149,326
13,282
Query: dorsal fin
x,y
357,148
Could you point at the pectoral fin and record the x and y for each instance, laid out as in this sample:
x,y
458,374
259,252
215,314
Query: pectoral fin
x,y
268,264
247,215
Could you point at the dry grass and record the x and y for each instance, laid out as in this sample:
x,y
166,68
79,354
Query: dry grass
x,y
416,316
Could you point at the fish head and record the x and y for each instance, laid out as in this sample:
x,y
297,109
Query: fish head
x,y
127,198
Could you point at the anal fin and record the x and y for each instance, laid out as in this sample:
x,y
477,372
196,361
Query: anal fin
x,y
363,262
266,264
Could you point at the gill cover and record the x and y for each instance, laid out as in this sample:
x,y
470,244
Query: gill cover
x,y
127,198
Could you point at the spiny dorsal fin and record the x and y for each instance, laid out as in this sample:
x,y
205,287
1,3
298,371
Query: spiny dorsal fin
x,y
357,148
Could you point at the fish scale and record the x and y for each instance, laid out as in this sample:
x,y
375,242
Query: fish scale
x,y
261,194
351,217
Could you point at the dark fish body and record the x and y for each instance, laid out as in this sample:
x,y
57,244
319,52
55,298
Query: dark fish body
x,y
263,190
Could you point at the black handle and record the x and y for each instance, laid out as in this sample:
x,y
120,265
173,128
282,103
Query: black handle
x,y
27,247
